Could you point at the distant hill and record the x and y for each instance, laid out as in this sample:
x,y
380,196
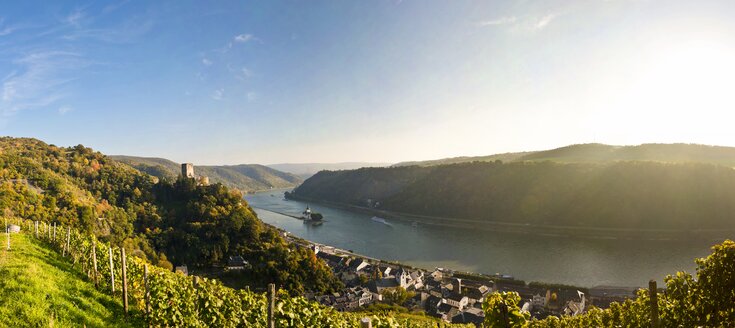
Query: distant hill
x,y
306,170
505,157
618,195
600,153
669,153
650,186
245,177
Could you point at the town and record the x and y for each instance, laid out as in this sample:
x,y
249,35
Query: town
x,y
452,296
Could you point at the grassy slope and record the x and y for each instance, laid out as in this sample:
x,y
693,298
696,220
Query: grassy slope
x,y
39,288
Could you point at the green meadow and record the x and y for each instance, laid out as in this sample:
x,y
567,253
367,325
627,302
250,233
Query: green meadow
x,y
39,288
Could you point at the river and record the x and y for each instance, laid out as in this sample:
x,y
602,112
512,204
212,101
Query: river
x,y
574,261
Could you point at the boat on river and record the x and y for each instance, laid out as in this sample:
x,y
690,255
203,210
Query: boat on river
x,y
380,220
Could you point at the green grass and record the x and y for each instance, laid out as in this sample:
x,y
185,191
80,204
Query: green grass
x,y
39,288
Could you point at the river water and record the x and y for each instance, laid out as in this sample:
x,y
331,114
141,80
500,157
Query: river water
x,y
574,261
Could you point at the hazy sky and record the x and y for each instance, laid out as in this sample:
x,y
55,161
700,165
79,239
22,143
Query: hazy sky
x,y
222,82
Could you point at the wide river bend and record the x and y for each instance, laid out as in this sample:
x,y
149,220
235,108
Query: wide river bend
x,y
574,261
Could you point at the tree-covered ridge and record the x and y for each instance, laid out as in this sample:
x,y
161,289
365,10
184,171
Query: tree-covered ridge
x,y
629,195
167,221
245,177
600,153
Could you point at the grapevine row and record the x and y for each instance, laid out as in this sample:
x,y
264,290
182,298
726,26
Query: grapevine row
x,y
176,300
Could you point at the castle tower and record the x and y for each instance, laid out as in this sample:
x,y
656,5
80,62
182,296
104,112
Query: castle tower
x,y
457,285
187,170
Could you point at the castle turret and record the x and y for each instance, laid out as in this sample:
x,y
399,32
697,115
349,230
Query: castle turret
x,y
187,170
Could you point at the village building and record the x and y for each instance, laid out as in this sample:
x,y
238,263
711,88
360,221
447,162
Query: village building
x,y
476,292
575,307
458,301
471,315
236,263
358,264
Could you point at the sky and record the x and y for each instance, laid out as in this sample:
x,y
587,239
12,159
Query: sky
x,y
230,82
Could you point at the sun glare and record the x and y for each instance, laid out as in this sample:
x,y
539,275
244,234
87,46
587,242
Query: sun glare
x,y
677,90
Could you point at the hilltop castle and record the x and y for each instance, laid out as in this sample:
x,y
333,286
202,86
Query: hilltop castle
x,y
187,171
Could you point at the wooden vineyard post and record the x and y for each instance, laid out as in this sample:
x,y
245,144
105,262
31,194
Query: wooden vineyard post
x,y
54,231
124,280
7,232
94,262
271,305
68,240
653,292
147,291
112,272
366,323
66,246
36,225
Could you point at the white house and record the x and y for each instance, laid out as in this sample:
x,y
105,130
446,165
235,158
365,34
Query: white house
x,y
456,300
538,301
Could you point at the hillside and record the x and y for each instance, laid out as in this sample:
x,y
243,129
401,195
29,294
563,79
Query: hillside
x,y
244,177
505,157
169,222
600,153
616,195
39,288
305,170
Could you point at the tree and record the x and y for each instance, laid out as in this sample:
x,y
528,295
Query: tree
x,y
396,296
502,310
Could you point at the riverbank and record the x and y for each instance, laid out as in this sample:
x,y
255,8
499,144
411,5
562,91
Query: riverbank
x,y
350,267
713,235
586,262
504,279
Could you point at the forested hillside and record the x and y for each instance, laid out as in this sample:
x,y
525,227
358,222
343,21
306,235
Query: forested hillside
x,y
305,170
628,195
244,177
504,157
168,222
599,153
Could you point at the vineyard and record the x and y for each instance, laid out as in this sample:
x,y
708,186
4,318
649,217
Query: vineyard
x,y
162,298
707,300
